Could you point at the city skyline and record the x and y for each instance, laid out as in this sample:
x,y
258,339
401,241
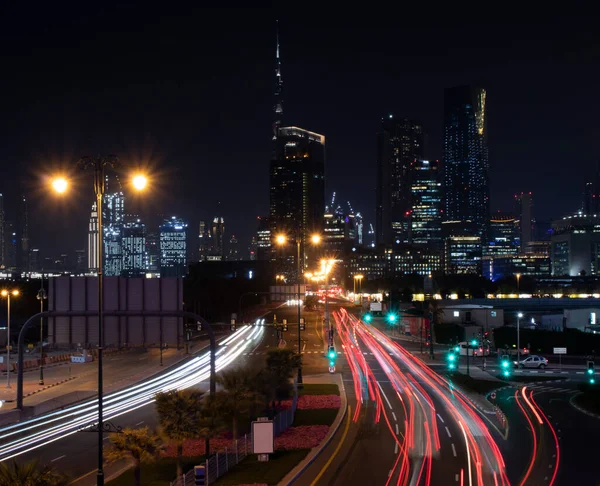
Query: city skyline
x,y
519,150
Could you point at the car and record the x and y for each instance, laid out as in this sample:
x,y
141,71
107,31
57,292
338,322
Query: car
x,y
532,361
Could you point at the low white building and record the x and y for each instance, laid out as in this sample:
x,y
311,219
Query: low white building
x,y
473,315
582,319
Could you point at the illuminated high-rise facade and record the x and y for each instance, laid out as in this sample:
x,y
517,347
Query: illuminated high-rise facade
x,y
466,165
93,240
399,144
297,190
173,248
134,247
112,227
426,204
524,207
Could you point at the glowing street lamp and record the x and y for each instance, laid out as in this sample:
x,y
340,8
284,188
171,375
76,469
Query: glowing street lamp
x,y
60,184
139,181
7,293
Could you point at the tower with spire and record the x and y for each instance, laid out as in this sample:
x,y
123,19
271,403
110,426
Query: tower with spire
x,y
278,100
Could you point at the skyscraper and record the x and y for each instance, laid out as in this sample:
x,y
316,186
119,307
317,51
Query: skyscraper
x,y
134,247
263,239
112,220
173,248
93,240
278,94
524,207
503,236
234,249
34,260
2,244
80,261
297,188
23,243
10,246
204,241
399,144
466,157
218,232
426,204
153,252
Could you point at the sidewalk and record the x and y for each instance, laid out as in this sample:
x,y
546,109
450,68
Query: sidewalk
x,y
68,383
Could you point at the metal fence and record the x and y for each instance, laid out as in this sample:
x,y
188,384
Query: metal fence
x,y
222,461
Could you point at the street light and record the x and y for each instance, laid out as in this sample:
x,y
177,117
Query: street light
x,y
7,294
60,185
359,278
519,316
41,296
518,275
281,240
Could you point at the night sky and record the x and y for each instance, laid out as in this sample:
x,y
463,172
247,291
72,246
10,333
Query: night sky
x,y
189,92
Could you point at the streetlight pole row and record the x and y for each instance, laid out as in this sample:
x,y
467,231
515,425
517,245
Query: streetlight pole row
x,y
7,293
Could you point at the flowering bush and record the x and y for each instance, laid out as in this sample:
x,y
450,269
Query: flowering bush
x,y
303,437
312,402
195,447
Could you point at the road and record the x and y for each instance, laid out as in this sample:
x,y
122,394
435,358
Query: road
x,y
408,426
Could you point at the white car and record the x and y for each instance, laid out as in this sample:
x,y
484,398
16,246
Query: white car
x,y
532,362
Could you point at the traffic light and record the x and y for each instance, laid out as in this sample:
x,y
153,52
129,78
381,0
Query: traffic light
x,y
505,368
367,318
474,343
457,349
331,355
591,372
391,318
451,361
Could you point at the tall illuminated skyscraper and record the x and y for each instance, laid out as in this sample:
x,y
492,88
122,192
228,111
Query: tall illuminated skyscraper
x,y
112,220
218,232
466,162
173,248
426,204
134,247
524,209
399,144
93,240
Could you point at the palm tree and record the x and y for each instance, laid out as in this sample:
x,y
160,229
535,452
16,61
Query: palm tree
x,y
179,417
240,395
29,474
281,364
137,444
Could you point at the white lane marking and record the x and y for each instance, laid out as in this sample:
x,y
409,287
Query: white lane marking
x,y
456,477
139,423
468,453
453,449
385,396
394,415
448,432
396,448
58,458
440,417
397,432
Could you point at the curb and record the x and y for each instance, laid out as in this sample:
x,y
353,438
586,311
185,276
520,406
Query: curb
x,y
49,386
295,473
580,409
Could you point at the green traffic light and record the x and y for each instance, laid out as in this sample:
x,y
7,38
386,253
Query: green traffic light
x,y
331,364
451,357
506,373
590,371
474,343
505,364
392,318
368,318
456,349
451,366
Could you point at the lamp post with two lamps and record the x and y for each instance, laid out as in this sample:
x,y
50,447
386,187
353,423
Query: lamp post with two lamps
x,y
60,185
282,240
7,293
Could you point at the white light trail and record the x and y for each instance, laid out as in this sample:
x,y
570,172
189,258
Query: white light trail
x,y
40,431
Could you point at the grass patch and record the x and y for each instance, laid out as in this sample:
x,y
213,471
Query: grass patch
x,y
478,386
251,471
319,389
160,473
319,416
